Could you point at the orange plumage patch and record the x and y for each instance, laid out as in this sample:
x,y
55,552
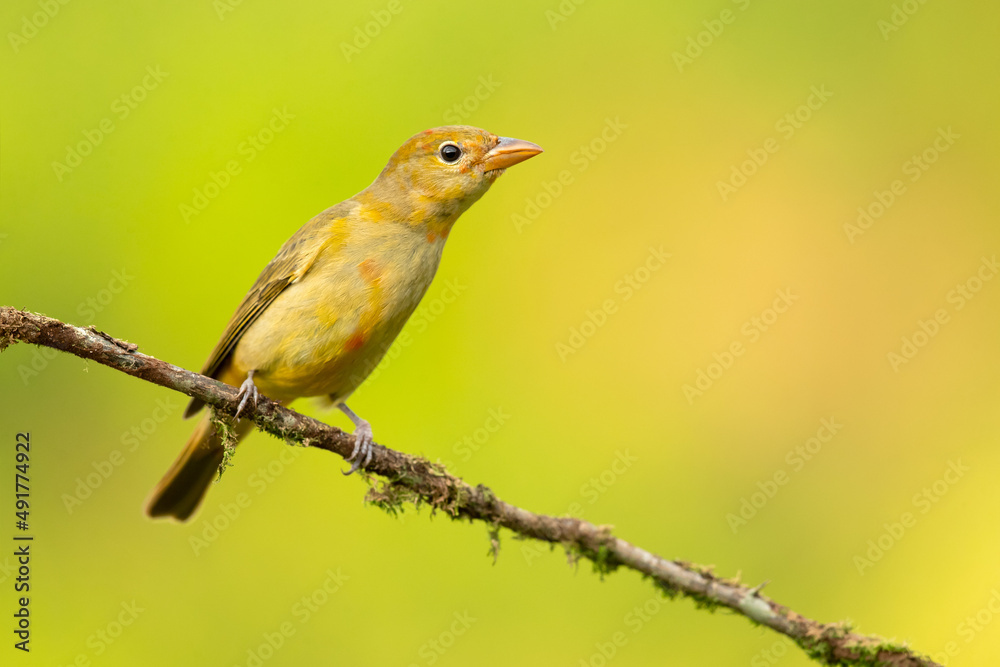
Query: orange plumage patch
x,y
370,271
355,342
435,232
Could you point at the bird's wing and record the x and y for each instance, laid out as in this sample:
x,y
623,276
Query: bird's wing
x,y
289,266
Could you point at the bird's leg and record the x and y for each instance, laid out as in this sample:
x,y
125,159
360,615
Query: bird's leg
x,y
248,390
362,453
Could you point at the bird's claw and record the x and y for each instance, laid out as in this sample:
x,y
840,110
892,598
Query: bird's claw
x,y
248,391
361,455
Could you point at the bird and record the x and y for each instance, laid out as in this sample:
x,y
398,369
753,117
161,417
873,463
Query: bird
x,y
325,310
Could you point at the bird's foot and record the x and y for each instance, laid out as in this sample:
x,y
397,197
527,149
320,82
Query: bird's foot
x,y
248,391
361,455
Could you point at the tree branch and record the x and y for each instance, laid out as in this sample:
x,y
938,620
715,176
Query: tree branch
x,y
413,479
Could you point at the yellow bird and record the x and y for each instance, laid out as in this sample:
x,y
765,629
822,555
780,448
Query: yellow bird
x,y
325,310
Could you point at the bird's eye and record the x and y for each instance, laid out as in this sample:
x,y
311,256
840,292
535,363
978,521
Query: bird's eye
x,y
450,152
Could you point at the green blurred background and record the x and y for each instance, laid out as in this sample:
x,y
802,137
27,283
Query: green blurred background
x,y
106,242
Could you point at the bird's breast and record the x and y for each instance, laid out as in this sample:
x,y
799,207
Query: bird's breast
x,y
326,333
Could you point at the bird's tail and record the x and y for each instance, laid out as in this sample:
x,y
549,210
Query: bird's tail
x,y
183,487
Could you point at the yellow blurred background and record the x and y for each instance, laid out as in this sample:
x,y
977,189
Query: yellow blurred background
x,y
676,320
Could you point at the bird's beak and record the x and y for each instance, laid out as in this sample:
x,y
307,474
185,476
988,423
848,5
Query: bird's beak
x,y
509,152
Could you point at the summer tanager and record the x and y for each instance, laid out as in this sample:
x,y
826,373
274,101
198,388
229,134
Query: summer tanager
x,y
324,311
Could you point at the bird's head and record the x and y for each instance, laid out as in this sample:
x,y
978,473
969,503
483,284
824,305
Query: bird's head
x,y
444,170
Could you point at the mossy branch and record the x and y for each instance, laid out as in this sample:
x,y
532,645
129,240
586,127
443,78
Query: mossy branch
x,y
411,479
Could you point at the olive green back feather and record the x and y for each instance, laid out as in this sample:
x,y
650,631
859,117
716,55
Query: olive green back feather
x,y
292,262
